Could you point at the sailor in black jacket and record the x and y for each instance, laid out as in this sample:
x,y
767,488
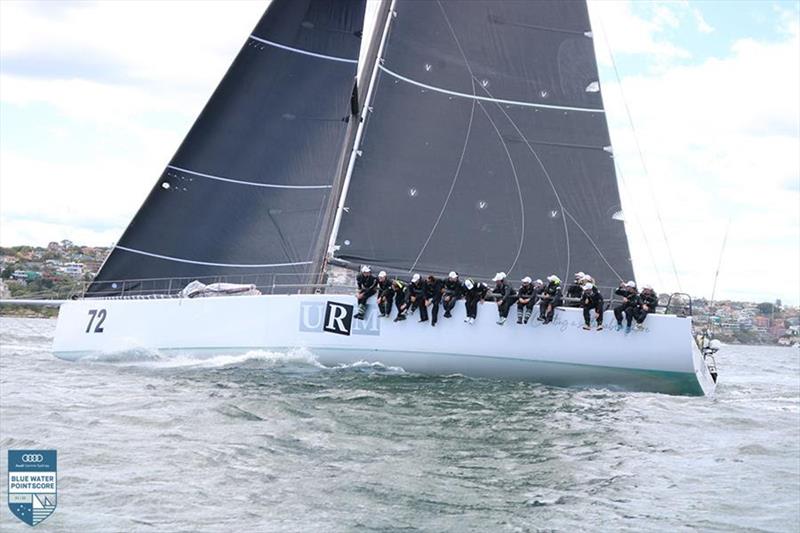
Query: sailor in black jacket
x,y
473,293
575,290
416,292
367,287
505,296
526,299
401,293
629,300
592,300
452,292
550,299
648,302
433,295
385,294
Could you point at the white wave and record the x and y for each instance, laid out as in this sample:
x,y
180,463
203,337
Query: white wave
x,y
367,365
157,359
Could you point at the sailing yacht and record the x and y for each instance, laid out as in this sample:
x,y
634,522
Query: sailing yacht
x,y
472,138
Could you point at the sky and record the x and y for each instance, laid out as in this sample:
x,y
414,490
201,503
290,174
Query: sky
x,y
95,98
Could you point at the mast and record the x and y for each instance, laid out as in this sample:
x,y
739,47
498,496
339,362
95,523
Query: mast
x,y
354,152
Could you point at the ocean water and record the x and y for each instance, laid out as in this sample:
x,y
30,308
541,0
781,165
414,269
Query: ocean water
x,y
277,442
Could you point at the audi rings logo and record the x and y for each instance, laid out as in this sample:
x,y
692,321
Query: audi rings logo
x,y
32,458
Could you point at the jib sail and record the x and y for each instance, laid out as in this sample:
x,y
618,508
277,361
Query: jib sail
x,y
247,192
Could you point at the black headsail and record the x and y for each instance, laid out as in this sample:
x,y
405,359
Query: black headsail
x,y
487,148
248,189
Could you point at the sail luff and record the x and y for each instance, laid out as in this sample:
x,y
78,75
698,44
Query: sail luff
x,y
362,92
359,134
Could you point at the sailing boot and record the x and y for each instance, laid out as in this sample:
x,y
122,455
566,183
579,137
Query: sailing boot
x,y
519,316
587,327
526,316
501,321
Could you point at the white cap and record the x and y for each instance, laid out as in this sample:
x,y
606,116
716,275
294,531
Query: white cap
x,y
588,287
415,278
631,284
539,282
365,269
381,274
452,275
500,276
648,287
580,275
469,284
526,279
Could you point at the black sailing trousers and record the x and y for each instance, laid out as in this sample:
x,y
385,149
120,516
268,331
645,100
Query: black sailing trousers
x,y
472,307
586,314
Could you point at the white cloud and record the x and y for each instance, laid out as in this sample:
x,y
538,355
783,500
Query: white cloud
x,y
721,140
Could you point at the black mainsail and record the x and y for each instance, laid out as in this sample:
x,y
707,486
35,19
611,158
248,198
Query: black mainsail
x,y
248,190
487,147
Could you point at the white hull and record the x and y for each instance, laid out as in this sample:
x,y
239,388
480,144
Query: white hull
x,y
661,358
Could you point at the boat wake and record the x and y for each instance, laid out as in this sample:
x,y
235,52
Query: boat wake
x,y
147,358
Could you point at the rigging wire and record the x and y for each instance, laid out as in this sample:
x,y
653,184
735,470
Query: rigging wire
x,y
637,222
719,262
641,157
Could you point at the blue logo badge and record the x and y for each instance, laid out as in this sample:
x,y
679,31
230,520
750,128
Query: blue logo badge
x,y
32,484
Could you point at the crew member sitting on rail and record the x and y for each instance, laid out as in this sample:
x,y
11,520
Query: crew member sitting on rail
x,y
648,301
526,299
385,294
400,299
473,293
452,292
575,290
433,294
367,286
505,296
550,299
592,299
417,297
629,298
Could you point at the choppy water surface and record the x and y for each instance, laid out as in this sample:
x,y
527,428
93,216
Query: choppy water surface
x,y
272,442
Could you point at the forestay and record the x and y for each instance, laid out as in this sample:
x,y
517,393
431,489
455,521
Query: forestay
x,y
487,147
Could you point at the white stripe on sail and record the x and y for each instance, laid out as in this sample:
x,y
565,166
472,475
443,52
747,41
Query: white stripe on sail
x,y
304,52
204,263
252,183
488,99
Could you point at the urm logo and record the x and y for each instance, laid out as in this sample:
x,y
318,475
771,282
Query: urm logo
x,y
337,317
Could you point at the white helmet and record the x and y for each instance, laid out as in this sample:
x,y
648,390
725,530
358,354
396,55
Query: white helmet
x,y
382,274
526,279
552,278
648,287
587,277
500,276
631,284
538,282
415,278
588,287
365,269
579,275
469,284
453,275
